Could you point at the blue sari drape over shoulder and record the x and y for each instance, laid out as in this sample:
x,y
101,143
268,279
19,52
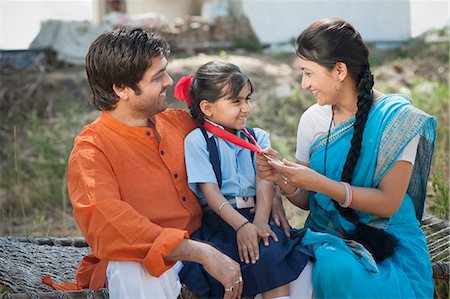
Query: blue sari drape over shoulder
x,y
344,268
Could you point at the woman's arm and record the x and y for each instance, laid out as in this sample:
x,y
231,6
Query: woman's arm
x,y
298,197
382,201
295,195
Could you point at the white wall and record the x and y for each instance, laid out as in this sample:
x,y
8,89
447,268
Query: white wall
x,y
281,20
171,9
20,20
427,14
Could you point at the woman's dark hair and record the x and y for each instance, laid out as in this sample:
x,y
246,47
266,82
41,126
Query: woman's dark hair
x,y
327,42
214,80
120,57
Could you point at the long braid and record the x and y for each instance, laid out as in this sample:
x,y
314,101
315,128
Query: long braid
x,y
377,241
328,42
364,104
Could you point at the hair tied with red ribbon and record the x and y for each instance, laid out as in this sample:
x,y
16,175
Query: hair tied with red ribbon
x,y
182,90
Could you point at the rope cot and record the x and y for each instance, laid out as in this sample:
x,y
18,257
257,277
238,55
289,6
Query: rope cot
x,y
24,261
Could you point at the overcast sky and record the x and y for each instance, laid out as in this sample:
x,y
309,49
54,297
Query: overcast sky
x,y
20,19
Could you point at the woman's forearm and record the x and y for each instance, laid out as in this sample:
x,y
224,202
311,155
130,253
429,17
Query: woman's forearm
x,y
295,195
383,201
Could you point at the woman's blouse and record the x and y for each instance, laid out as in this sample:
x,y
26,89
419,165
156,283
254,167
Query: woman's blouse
x,y
315,122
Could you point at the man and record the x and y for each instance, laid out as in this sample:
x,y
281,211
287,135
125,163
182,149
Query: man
x,y
127,180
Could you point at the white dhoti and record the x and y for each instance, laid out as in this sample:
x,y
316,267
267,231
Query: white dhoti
x,y
131,280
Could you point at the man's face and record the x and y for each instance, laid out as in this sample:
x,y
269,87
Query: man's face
x,y
153,86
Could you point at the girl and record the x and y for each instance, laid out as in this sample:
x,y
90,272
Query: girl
x,y
221,171
363,164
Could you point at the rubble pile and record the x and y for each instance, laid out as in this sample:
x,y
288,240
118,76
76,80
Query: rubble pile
x,y
195,33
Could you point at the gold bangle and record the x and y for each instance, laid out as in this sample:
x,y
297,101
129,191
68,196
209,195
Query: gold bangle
x,y
284,194
223,204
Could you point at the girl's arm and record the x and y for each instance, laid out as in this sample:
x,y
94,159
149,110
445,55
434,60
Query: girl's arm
x,y
215,199
264,194
247,233
264,197
383,201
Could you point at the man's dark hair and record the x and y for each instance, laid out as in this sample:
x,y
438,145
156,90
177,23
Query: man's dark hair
x,y
120,57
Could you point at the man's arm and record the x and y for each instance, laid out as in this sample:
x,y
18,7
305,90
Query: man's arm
x,y
217,264
112,227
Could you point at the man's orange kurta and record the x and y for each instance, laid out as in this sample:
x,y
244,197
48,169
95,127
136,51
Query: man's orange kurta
x,y
129,193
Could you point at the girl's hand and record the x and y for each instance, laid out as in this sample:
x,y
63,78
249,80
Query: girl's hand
x,y
265,170
247,240
296,174
279,215
265,232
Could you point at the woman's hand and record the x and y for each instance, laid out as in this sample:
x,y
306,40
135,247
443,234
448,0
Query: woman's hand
x,y
265,232
264,170
248,243
296,174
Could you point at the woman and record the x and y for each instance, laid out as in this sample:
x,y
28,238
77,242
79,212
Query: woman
x,y
363,164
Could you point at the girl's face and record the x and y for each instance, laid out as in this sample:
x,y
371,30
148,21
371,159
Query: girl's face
x,y
320,81
231,113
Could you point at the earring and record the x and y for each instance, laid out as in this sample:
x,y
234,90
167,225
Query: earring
x,y
341,84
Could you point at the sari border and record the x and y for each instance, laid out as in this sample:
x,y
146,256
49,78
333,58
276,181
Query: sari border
x,y
338,131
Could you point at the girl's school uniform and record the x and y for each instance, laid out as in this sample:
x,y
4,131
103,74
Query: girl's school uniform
x,y
279,263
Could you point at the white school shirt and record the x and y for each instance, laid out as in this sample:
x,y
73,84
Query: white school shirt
x,y
315,122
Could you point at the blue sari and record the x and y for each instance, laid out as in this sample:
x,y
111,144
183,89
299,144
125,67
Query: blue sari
x,y
344,268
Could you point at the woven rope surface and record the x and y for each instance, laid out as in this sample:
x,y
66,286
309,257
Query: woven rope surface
x,y
23,262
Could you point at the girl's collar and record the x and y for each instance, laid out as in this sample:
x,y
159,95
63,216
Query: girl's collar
x,y
238,132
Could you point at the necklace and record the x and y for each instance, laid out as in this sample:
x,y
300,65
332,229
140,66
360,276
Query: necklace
x,y
326,144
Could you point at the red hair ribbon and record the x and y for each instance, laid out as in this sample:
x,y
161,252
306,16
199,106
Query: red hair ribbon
x,y
182,90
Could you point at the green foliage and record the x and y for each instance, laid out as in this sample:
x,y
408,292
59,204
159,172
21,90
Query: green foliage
x,y
34,161
439,198
435,102
250,43
280,117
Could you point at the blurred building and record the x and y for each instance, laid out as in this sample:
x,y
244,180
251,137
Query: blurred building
x,y
278,21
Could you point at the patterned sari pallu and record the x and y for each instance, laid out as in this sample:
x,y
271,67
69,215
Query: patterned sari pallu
x,y
344,268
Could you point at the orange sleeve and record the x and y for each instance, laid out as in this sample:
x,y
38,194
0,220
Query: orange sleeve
x,y
114,229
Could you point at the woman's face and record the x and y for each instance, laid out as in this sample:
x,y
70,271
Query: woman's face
x,y
321,81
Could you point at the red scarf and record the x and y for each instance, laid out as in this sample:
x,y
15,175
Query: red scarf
x,y
225,135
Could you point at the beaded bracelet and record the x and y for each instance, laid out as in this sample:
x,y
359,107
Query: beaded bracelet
x,y
348,195
242,225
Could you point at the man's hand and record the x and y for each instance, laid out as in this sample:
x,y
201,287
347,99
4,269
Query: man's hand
x,y
225,270
218,265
